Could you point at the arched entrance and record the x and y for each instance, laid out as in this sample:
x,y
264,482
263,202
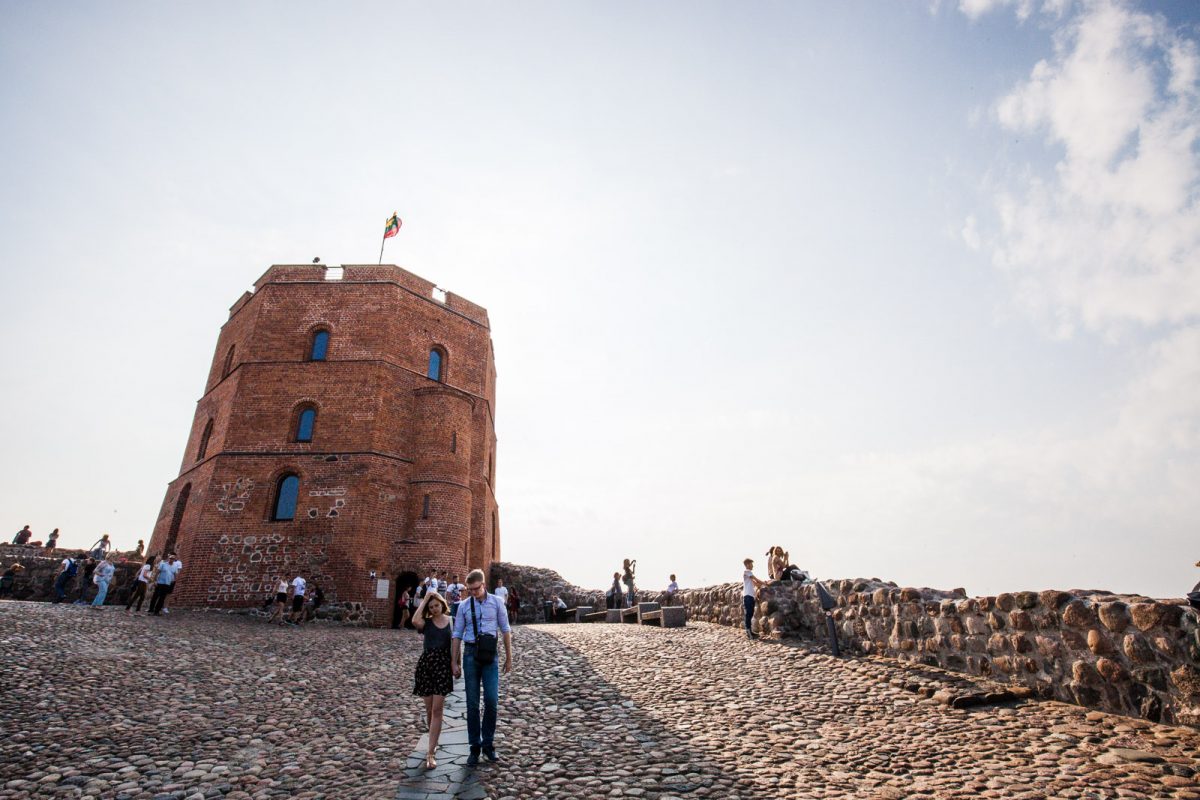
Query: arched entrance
x,y
405,581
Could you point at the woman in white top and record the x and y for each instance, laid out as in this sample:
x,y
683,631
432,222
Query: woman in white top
x,y
281,590
140,582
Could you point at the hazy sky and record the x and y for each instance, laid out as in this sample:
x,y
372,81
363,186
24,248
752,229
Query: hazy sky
x,y
911,289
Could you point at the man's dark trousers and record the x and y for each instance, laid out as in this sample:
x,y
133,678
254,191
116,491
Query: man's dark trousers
x,y
160,595
473,676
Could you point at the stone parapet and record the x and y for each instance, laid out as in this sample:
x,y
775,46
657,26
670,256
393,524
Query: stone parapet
x,y
1123,654
36,581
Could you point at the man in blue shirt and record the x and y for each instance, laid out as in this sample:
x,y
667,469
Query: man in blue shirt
x,y
480,614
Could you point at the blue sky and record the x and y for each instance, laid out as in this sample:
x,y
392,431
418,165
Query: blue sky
x,y
910,289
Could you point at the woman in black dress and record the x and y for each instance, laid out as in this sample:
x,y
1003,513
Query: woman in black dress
x,y
434,680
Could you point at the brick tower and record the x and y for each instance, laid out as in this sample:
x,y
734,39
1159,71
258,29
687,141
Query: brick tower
x,y
346,433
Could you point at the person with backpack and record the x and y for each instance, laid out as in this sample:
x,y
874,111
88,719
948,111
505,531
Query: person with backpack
x,y
66,574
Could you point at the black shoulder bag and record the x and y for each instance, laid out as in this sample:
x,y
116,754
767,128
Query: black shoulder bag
x,y
485,645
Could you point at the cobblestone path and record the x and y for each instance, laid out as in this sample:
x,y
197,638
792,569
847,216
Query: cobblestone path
x,y
196,705
626,711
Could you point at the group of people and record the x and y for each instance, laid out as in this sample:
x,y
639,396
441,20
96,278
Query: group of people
x,y
304,601
461,638
451,592
25,538
82,573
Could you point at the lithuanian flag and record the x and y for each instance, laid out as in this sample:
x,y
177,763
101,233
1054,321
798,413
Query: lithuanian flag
x,y
393,226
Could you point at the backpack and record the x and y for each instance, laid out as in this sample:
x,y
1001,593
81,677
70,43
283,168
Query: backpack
x,y
72,568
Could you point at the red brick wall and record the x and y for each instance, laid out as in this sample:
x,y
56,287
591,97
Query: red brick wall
x,y
385,437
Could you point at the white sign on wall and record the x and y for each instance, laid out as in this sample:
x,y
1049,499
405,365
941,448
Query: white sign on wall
x,y
381,588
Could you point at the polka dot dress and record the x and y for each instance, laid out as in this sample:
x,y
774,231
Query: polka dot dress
x,y
433,668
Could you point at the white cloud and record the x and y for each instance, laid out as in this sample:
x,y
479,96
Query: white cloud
x,y
1023,8
1112,237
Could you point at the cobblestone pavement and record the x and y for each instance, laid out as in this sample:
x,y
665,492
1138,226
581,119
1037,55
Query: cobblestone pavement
x,y
628,711
196,705
100,703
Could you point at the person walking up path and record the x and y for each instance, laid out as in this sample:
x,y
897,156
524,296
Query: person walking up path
x,y
102,578
750,585
140,582
473,655
434,678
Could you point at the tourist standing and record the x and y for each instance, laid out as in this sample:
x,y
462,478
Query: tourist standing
x,y
500,591
318,599
164,582
750,585
614,593
66,573
473,655
140,582
100,549
102,578
299,585
281,590
8,579
454,595
434,678
85,580
141,548
23,536
52,541
514,606
176,567
627,578
672,588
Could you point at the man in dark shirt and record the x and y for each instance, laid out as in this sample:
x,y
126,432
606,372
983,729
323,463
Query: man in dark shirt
x,y
23,536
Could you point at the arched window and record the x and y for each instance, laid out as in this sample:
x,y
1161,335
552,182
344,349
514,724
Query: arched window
x,y
228,362
320,346
287,492
304,424
204,440
436,364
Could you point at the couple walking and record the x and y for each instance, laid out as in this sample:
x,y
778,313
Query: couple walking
x,y
463,645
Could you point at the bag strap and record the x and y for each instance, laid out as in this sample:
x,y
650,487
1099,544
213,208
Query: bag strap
x,y
474,621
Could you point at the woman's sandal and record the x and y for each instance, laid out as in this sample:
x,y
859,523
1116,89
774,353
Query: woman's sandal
x,y
430,762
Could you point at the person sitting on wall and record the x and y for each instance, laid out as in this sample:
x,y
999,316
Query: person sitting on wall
x,y
672,588
777,562
52,541
560,608
23,536
100,549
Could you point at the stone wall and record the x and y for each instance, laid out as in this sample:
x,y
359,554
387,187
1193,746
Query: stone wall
x,y
37,580
1124,654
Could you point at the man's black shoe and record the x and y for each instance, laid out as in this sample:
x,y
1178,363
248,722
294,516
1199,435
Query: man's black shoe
x,y
473,759
490,754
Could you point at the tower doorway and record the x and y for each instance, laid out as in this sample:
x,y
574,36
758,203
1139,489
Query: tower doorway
x,y
405,582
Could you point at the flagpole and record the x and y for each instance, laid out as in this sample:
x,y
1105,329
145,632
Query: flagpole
x,y
382,242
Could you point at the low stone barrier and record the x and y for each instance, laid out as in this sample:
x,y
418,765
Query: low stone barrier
x,y
36,581
1124,654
